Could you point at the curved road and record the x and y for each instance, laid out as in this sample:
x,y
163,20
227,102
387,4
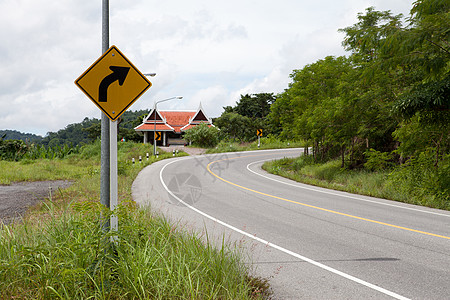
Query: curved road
x,y
311,243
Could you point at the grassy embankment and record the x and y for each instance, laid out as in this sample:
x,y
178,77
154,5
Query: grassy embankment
x,y
59,251
388,184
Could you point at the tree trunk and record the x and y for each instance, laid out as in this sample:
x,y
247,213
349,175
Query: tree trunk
x,y
438,148
351,152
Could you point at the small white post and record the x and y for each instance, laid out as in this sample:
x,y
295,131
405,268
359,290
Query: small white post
x,y
113,173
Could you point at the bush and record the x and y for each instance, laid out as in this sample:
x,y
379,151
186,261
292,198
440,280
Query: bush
x,y
302,161
12,150
203,136
423,183
377,161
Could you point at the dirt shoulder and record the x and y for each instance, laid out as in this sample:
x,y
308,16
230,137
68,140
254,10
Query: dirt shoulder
x,y
15,199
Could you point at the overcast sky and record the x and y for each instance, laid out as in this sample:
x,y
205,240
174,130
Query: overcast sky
x,y
204,50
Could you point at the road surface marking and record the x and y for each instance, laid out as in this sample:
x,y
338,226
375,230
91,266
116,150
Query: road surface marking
x,y
340,194
269,244
208,167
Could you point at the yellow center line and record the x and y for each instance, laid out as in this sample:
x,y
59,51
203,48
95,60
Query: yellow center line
x,y
316,207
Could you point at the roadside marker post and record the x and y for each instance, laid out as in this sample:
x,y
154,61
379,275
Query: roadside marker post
x,y
114,222
259,134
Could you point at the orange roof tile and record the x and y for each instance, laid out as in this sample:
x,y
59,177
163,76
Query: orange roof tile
x,y
178,117
151,127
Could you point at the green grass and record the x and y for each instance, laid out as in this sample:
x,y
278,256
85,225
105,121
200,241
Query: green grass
x,y
42,169
331,175
59,251
66,255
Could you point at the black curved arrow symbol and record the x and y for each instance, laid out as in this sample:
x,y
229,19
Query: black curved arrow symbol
x,y
119,73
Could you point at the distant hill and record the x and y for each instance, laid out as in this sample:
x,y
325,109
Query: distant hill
x,y
17,135
82,133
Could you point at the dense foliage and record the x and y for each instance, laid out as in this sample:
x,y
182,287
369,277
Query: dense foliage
x,y
202,135
386,106
15,150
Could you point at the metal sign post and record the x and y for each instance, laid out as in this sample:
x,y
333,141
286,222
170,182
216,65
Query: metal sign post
x,y
259,134
105,147
113,83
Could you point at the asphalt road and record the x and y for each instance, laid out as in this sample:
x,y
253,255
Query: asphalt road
x,y
311,243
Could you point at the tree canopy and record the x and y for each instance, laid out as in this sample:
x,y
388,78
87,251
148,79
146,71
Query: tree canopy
x,y
395,80
250,113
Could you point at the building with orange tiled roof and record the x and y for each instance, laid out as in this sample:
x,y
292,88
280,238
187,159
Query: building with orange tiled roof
x,y
170,125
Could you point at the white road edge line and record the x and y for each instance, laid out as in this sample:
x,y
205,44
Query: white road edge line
x,y
338,194
267,243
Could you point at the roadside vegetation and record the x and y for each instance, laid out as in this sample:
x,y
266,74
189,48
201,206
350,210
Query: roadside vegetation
x,y
417,183
59,250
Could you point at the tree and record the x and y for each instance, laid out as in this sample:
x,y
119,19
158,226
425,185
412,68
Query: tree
x,y
255,105
236,127
322,106
250,113
416,60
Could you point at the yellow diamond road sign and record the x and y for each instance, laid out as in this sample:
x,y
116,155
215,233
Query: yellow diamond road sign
x,y
113,83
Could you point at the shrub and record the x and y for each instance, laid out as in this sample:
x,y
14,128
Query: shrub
x,y
302,161
422,182
12,150
203,136
377,161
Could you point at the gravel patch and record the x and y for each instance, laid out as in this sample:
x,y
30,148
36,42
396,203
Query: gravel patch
x,y
15,199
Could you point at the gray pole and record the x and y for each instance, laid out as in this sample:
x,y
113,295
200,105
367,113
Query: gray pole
x,y
105,150
154,133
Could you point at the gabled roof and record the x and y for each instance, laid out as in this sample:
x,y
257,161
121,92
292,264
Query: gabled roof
x,y
175,121
151,116
200,117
